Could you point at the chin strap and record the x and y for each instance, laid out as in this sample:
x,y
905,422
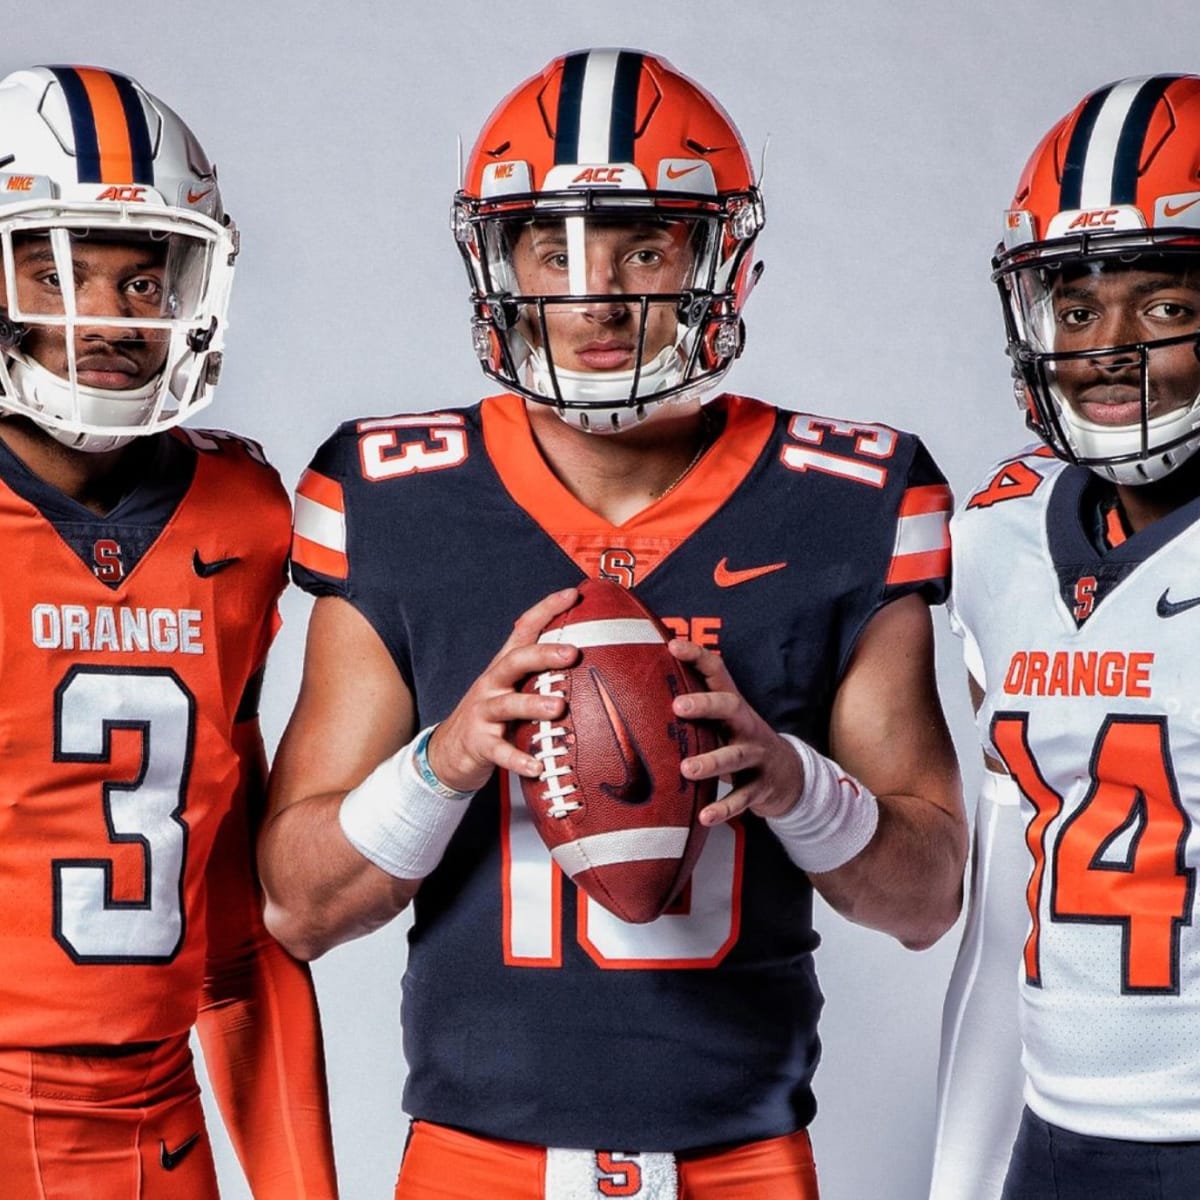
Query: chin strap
x,y
600,402
45,398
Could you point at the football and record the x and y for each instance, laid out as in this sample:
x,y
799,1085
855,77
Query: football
x,y
610,803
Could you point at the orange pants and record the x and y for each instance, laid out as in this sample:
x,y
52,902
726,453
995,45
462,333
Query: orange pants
x,y
445,1164
91,1127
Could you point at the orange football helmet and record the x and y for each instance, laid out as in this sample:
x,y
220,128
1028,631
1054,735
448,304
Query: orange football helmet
x,y
639,194
1113,188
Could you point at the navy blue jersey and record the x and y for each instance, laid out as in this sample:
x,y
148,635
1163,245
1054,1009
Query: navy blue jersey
x,y
530,1013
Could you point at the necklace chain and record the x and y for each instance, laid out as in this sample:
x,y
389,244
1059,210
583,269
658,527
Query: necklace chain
x,y
706,440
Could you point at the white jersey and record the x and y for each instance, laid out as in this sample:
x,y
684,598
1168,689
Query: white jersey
x,y
1092,702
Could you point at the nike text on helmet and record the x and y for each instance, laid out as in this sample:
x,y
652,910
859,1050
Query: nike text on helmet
x,y
89,158
1114,186
605,145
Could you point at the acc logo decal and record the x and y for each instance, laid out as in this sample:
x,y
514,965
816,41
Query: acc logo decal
x,y
599,175
1094,217
125,193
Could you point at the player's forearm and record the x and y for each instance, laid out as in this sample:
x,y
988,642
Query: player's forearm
x,y
261,1037
320,891
907,881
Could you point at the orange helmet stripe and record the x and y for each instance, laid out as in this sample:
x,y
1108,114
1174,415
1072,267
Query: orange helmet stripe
x,y
112,130
112,138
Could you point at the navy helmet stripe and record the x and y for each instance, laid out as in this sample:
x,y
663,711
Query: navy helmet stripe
x,y
1133,137
624,107
570,102
140,145
1072,172
83,125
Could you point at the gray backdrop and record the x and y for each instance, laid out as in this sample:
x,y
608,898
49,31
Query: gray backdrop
x,y
897,133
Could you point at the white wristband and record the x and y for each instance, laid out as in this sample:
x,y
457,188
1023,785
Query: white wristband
x,y
401,817
835,817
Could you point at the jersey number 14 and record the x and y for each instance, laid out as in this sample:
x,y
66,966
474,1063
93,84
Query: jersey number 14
x,y
1118,859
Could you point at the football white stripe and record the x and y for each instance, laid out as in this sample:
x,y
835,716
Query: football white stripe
x,y
321,524
616,631
595,106
620,846
1096,189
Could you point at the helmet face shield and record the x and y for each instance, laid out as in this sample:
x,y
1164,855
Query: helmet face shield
x,y
113,306
599,307
1105,341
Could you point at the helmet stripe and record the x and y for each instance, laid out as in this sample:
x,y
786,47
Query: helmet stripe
x,y
597,107
1105,150
566,124
1133,138
141,146
1081,137
624,107
112,138
83,125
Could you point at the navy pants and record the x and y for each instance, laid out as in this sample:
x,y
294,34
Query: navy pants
x,y
1051,1163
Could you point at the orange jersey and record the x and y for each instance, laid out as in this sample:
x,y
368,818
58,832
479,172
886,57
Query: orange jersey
x,y
122,672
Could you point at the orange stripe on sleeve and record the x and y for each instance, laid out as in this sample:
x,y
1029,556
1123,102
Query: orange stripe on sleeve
x,y
930,498
112,129
915,568
321,489
321,559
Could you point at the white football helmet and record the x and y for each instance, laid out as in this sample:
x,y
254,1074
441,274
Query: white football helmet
x,y
89,159
601,145
1113,187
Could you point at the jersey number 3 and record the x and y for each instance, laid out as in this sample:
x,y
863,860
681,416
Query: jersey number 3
x,y
144,813
1119,858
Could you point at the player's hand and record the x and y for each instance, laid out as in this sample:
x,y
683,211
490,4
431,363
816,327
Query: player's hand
x,y
765,771
471,742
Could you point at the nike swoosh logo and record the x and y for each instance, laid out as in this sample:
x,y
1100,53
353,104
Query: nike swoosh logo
x,y
725,578
1172,608
205,569
170,1159
196,197
672,173
637,786
1172,210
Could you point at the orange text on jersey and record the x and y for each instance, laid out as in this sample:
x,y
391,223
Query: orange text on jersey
x,y
704,631
1079,673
